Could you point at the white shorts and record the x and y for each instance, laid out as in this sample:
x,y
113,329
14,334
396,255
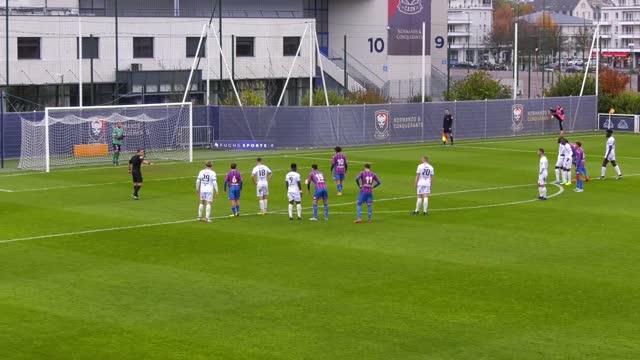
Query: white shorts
x,y
424,190
294,196
262,190
560,162
568,163
542,179
611,157
206,196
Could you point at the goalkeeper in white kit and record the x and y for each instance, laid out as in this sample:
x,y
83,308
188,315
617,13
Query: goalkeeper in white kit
x,y
206,186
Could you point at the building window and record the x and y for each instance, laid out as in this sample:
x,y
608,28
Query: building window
x,y
92,7
290,45
244,46
143,47
29,48
192,46
89,48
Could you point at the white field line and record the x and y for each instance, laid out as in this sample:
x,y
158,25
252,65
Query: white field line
x,y
306,208
324,159
528,151
103,184
48,236
307,152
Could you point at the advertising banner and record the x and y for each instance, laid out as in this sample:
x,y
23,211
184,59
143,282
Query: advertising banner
x,y
405,26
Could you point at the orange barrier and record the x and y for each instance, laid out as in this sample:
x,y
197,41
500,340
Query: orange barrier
x,y
90,150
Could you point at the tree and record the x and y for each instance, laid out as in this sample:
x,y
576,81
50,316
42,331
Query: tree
x,y
335,98
570,85
583,39
613,82
478,86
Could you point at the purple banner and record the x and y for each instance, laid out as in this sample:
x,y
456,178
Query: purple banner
x,y
405,26
248,145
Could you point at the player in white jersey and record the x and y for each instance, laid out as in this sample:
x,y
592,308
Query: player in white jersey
x,y
543,172
610,156
560,161
567,161
261,175
294,191
424,180
206,186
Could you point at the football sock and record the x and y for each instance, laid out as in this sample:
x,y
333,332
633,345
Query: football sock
x,y
584,172
238,209
359,211
339,187
315,211
451,139
200,210
557,174
326,210
543,192
136,188
116,157
261,203
299,208
425,205
618,170
418,203
540,191
579,184
603,171
290,210
265,205
208,210
370,210
233,210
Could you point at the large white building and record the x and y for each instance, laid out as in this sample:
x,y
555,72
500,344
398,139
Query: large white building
x,y
149,57
470,23
620,33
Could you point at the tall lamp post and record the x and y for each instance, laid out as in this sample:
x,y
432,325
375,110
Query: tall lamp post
x,y
632,64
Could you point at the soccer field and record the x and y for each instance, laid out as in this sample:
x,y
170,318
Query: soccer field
x,y
88,273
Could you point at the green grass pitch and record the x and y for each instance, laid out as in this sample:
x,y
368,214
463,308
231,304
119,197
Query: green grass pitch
x,y
491,273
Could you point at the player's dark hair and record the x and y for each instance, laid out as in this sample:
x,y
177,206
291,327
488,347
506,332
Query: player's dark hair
x,y
425,158
209,164
139,150
314,167
259,159
609,132
560,139
338,149
233,166
367,166
579,143
294,166
541,150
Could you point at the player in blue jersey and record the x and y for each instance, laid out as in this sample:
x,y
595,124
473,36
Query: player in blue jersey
x,y
365,182
580,167
339,168
321,192
233,181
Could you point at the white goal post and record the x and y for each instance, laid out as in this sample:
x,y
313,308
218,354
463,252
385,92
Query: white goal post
x,y
69,136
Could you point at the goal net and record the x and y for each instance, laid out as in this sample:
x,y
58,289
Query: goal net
x,y
69,136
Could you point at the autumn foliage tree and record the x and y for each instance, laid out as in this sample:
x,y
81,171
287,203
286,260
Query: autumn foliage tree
x,y
613,82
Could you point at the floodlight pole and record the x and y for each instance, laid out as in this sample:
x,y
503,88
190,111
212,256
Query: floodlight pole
x,y
79,61
195,61
515,63
586,70
422,78
324,84
311,66
286,83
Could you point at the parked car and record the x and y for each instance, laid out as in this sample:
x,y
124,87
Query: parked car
x,y
464,65
579,62
572,69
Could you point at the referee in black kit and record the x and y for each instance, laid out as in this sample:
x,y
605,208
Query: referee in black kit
x,y
447,128
135,169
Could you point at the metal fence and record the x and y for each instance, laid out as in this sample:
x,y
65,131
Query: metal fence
x,y
308,127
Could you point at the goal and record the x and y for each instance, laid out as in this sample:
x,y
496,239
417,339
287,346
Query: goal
x,y
69,136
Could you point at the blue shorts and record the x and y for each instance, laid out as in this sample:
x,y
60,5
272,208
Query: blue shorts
x,y
338,177
365,198
234,193
581,170
321,194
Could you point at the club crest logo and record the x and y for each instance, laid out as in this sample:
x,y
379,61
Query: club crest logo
x,y
623,125
410,7
517,117
97,130
382,124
